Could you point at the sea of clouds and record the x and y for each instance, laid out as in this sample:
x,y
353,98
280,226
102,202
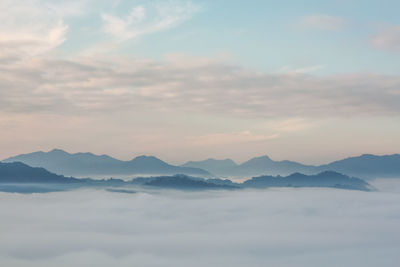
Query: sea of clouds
x,y
276,227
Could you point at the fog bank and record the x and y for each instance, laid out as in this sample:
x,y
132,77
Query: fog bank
x,y
276,227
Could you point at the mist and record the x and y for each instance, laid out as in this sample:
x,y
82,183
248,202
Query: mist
x,y
274,227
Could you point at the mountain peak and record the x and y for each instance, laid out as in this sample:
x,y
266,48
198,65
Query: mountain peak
x,y
145,158
265,157
149,161
57,151
258,160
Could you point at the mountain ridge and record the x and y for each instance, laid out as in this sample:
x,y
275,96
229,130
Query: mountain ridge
x,y
19,177
367,166
86,164
254,166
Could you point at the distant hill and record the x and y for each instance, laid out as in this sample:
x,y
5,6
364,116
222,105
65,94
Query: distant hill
x,y
18,172
327,179
265,165
253,167
217,167
19,177
88,164
367,166
323,179
186,183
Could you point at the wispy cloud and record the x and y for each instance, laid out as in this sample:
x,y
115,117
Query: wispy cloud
x,y
34,27
302,70
29,28
179,83
323,22
387,39
148,18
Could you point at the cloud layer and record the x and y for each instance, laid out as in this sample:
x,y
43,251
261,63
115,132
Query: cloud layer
x,y
293,227
388,39
33,83
110,84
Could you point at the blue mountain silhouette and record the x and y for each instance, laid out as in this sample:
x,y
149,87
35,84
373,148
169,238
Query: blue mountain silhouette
x,y
19,177
87,164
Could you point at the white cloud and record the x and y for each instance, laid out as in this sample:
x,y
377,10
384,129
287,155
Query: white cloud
x,y
323,22
387,39
180,83
148,18
279,227
211,87
33,27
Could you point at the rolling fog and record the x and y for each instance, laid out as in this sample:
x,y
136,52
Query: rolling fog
x,y
275,227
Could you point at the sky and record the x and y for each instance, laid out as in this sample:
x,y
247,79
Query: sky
x,y
274,227
188,80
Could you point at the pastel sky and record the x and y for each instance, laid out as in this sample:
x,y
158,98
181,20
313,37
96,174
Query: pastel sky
x,y
311,81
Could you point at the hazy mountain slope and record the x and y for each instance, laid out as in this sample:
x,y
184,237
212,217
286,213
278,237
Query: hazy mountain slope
x,y
323,179
253,167
19,177
186,183
217,167
367,166
265,165
86,164
327,179
18,172
364,166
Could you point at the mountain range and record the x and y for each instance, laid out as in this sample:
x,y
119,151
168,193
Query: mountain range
x,y
323,179
365,166
18,172
87,164
253,167
21,178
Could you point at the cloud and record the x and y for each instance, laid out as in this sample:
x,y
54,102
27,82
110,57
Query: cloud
x,y
387,39
180,83
323,22
148,18
304,70
229,138
289,125
105,85
33,27
278,227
